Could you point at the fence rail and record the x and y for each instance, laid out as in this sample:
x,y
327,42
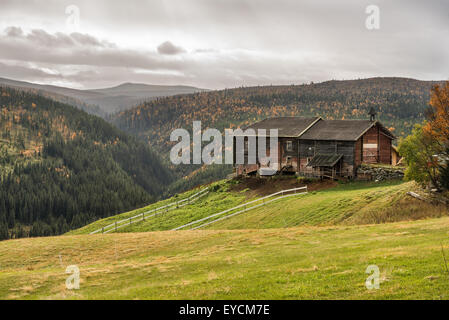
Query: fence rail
x,y
151,213
265,200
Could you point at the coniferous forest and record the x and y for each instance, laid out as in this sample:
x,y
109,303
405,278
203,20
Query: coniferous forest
x,y
62,168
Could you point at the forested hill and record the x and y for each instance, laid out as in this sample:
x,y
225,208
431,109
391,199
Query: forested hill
x,y
62,168
400,103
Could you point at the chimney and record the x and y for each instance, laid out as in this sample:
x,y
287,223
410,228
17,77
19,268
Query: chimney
x,y
372,115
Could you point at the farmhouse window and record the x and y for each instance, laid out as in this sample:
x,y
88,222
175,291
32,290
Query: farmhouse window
x,y
289,145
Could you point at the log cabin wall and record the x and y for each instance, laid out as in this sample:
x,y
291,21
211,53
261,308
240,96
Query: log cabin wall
x,y
358,152
370,142
288,158
248,168
376,146
385,149
306,153
308,149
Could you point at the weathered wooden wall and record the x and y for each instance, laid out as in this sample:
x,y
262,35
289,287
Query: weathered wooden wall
x,y
376,146
308,148
384,149
358,152
370,142
289,158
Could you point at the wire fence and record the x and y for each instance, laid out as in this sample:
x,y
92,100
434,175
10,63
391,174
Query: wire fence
x,y
151,213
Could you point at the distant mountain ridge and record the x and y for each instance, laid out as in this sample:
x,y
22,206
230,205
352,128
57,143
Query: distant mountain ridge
x,y
106,100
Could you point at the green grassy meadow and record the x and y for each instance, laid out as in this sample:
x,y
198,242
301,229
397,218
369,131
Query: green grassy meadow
x,y
313,246
289,263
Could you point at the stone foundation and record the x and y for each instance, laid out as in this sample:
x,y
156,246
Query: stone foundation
x,y
379,173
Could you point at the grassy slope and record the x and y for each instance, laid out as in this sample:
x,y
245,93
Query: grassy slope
x,y
352,203
292,263
219,200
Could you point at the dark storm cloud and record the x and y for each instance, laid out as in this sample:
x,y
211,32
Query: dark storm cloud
x,y
223,43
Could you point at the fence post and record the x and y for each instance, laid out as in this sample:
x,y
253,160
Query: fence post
x,y
143,216
116,226
102,230
130,219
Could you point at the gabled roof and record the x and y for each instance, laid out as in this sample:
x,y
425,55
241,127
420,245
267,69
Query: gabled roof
x,y
287,126
342,130
324,160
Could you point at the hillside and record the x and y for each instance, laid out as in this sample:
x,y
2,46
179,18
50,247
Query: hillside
x,y
288,263
399,102
64,95
128,95
62,168
327,203
103,101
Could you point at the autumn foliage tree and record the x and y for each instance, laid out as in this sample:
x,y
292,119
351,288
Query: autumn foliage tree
x,y
437,125
437,128
427,149
419,149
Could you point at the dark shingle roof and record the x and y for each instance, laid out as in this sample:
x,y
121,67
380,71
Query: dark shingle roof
x,y
343,130
287,126
324,160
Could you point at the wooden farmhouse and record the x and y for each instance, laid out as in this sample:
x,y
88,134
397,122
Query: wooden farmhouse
x,y
322,148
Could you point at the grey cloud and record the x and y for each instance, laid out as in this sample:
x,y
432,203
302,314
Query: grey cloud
x,y
18,72
169,48
14,32
42,38
78,49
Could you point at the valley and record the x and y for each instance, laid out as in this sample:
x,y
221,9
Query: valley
x,y
68,173
62,168
38,133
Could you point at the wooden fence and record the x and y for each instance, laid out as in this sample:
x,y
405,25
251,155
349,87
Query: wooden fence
x,y
246,207
151,213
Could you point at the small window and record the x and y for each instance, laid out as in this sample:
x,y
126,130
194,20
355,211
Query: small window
x,y
289,145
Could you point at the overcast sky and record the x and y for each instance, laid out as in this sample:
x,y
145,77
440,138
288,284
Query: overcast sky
x,y
220,43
